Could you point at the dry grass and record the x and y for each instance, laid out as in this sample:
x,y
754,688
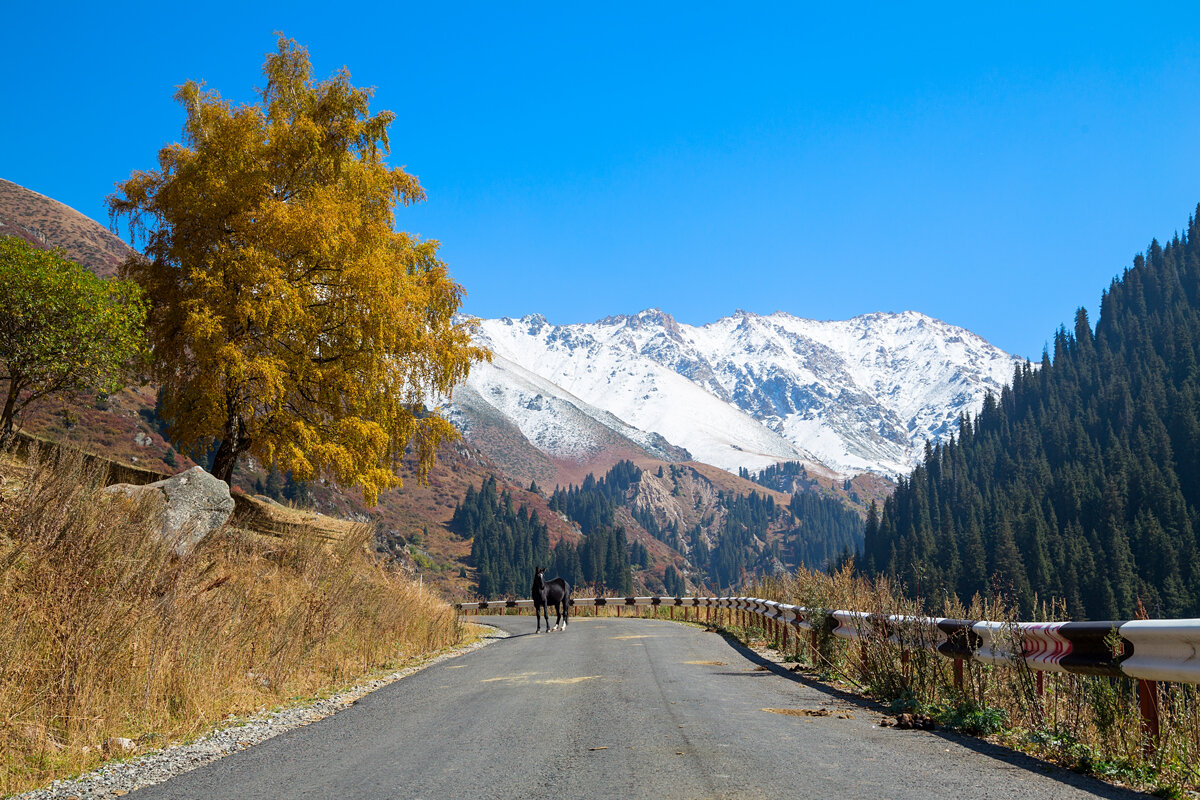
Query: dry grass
x,y
103,633
49,223
272,519
1090,724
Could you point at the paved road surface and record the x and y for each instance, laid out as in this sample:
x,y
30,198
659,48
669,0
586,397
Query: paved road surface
x,y
616,708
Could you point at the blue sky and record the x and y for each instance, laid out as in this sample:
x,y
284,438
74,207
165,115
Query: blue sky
x,y
992,168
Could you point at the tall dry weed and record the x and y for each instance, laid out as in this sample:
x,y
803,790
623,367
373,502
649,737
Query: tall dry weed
x,y
1090,723
104,633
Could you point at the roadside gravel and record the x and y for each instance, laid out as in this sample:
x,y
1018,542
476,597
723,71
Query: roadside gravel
x,y
118,778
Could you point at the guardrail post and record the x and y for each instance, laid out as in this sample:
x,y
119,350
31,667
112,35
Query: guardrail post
x,y
1148,704
672,612
958,674
1041,683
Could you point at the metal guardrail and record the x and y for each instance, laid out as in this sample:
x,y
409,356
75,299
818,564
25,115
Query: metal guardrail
x,y
1150,650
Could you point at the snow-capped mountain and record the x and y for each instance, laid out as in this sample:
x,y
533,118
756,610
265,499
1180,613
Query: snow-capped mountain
x,y
550,418
744,391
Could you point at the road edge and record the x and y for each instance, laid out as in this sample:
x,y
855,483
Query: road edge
x,y
118,778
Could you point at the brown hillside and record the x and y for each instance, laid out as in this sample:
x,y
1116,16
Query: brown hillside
x,y
413,522
48,223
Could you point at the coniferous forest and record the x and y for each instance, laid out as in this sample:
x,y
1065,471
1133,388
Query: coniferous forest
x,y
752,535
507,545
1081,481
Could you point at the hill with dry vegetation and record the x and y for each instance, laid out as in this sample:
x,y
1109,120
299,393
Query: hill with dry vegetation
x,y
106,635
48,223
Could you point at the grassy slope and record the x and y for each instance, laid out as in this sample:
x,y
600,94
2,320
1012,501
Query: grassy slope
x,y
49,223
104,634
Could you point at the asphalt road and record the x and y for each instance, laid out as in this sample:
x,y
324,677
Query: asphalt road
x,y
617,708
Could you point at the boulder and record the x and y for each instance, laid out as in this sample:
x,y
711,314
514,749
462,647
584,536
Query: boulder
x,y
118,746
193,504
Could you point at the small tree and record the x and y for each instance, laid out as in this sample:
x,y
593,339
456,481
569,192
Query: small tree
x,y
289,319
62,329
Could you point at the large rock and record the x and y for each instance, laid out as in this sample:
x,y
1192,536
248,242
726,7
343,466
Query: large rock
x,y
193,505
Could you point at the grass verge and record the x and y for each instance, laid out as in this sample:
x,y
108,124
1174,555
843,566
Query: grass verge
x,y
105,634
1089,724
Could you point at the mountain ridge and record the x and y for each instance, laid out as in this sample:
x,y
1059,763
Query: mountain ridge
x,y
748,391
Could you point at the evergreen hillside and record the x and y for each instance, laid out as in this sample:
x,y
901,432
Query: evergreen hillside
x,y
634,538
508,542
1082,480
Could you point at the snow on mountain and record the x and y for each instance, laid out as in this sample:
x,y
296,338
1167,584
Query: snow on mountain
x,y
744,391
552,419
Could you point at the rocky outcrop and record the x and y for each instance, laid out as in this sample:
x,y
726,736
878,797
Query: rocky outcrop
x,y
192,505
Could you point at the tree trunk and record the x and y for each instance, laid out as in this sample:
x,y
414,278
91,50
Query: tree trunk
x,y
231,447
9,413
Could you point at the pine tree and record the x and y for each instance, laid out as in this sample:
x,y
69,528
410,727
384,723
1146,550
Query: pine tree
x,y
1081,479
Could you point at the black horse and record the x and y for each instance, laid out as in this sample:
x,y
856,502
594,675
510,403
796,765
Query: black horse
x,y
555,593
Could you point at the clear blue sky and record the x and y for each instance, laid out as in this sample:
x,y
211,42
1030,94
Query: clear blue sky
x,y
995,169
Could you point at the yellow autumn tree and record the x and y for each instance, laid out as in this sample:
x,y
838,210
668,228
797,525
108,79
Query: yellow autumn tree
x,y
289,320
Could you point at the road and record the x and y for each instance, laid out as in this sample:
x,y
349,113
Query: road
x,y
617,708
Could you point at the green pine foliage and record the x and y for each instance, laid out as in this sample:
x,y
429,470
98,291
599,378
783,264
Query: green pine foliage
x,y
592,505
673,582
1082,479
824,529
507,543
753,535
788,476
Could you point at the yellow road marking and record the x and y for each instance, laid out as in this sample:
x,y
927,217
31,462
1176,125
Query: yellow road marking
x,y
528,677
510,678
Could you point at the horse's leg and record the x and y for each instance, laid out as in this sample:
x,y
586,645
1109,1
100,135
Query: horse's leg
x,y
537,612
566,611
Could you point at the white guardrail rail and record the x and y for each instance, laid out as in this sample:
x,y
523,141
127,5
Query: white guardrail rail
x,y
1148,650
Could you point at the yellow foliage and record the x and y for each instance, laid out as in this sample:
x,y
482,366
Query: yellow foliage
x,y
289,320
